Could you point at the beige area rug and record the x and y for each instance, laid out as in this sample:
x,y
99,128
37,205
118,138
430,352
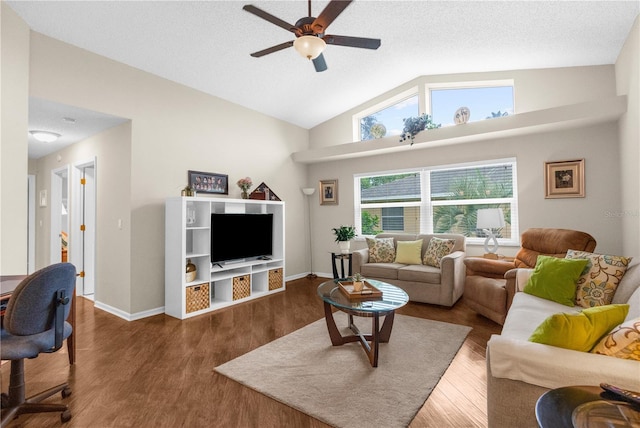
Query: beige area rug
x,y
337,385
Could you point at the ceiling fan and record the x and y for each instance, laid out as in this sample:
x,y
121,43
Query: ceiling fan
x,y
311,39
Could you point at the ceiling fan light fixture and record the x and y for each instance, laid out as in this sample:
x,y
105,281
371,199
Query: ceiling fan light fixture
x,y
45,136
309,47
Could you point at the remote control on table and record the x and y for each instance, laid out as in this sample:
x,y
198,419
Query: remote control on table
x,y
625,394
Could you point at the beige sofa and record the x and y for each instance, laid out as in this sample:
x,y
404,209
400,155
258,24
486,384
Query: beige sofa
x,y
427,284
519,371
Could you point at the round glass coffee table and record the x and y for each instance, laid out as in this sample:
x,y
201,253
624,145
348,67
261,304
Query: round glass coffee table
x,y
392,298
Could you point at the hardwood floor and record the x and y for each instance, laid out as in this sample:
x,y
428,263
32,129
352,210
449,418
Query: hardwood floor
x,y
158,371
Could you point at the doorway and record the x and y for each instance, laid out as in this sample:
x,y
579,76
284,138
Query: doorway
x,y
59,215
83,248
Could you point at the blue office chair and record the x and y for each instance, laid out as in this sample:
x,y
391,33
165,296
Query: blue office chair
x,y
34,322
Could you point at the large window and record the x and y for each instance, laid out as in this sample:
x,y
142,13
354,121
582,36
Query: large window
x,y
438,200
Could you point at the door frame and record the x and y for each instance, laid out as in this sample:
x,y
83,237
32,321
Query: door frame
x,y
77,245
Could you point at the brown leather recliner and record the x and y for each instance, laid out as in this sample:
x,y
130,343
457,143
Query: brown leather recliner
x,y
487,289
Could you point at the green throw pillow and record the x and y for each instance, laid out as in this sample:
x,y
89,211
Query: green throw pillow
x,y
409,252
555,279
581,331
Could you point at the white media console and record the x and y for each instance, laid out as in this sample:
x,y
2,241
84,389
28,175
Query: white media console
x,y
188,237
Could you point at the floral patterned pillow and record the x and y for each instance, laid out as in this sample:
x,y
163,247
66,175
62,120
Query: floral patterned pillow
x,y
437,249
600,278
381,250
622,342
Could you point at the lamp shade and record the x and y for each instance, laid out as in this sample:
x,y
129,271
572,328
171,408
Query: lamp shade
x,y
309,47
490,218
308,190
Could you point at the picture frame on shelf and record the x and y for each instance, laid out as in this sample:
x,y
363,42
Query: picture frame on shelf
x,y
209,182
329,192
263,192
564,179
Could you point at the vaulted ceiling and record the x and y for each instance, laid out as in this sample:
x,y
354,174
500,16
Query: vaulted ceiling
x,y
206,44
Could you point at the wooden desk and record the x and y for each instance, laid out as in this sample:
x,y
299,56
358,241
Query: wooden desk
x,y
8,283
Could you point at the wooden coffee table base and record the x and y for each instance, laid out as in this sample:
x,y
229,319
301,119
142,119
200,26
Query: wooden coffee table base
x,y
370,342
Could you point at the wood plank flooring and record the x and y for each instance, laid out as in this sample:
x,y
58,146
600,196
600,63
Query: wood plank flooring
x,y
158,371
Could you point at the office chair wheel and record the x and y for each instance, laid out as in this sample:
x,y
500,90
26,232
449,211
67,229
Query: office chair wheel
x,y
65,416
66,392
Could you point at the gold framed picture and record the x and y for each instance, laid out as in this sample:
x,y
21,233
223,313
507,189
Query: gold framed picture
x,y
329,192
564,179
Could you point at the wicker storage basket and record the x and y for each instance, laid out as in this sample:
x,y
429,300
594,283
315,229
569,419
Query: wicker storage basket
x,y
197,297
275,279
241,287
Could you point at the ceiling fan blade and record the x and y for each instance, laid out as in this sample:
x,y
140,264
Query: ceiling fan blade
x,y
354,42
331,12
272,49
268,17
319,63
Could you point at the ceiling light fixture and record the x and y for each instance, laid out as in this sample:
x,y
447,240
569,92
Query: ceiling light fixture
x,y
45,136
309,47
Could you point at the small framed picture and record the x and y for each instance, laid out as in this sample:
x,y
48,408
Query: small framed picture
x,y
328,192
564,179
209,182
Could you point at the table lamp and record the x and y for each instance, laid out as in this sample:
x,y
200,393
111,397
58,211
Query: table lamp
x,y
487,220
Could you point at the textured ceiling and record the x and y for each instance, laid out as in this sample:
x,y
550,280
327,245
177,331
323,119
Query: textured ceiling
x,y
206,44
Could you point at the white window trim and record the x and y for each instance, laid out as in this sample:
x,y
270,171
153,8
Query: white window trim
x,y
388,102
466,85
427,205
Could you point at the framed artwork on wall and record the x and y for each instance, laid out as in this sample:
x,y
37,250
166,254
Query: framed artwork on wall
x,y
564,179
329,192
209,182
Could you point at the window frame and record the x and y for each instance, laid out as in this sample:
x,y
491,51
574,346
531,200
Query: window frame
x,y
388,102
475,84
426,205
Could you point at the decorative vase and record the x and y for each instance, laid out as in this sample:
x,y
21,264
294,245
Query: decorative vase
x,y
344,246
190,271
358,285
245,195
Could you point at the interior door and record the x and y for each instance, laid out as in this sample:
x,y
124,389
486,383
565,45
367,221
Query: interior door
x,y
84,226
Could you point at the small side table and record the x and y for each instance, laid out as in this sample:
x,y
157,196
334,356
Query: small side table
x,y
342,257
554,408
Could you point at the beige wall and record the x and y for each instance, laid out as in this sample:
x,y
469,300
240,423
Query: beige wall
x,y
173,129
14,114
112,151
628,82
534,89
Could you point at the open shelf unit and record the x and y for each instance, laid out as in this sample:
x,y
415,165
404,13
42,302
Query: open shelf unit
x,y
188,238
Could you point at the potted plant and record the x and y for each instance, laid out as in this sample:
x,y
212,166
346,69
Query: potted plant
x,y
413,125
358,282
344,234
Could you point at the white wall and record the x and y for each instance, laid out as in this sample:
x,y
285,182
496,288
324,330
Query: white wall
x,y
628,82
173,129
534,89
14,86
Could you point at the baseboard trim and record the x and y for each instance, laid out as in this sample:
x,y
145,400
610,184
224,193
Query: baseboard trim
x,y
127,316
304,274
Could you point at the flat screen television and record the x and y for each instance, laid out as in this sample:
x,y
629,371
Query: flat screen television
x,y
241,236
